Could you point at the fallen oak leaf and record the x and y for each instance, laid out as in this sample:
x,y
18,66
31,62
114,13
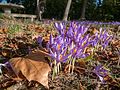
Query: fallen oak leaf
x,y
32,67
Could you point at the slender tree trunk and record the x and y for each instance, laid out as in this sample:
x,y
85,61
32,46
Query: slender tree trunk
x,y
67,10
99,2
38,10
83,10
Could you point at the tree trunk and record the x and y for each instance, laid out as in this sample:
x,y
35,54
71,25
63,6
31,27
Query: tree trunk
x,y
83,10
38,10
67,10
99,2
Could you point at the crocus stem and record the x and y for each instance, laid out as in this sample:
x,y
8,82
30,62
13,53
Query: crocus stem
x,y
69,66
58,67
73,63
55,67
54,72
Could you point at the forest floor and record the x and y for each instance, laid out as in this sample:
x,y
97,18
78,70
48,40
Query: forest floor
x,y
18,39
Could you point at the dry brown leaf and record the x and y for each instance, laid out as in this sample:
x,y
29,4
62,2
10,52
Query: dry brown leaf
x,y
3,30
32,67
93,30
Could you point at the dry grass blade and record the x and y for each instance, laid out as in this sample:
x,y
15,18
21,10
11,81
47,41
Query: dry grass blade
x,y
81,87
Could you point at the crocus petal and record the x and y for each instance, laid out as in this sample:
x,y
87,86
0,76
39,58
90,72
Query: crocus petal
x,y
61,26
58,27
83,56
101,78
65,58
39,40
51,39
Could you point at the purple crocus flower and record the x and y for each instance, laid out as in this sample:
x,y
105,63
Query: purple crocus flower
x,y
83,42
104,35
106,41
94,41
70,32
104,38
51,43
39,41
60,27
59,55
101,72
83,29
77,52
58,48
6,64
1,65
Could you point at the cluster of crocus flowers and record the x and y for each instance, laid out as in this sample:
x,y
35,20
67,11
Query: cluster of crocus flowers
x,y
101,38
71,43
104,38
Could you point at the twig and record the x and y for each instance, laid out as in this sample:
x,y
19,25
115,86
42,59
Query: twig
x,y
98,86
